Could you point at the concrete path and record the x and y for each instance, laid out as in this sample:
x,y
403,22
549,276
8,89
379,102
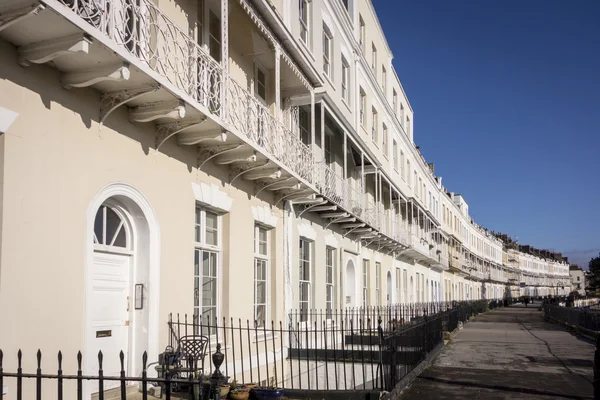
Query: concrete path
x,y
509,353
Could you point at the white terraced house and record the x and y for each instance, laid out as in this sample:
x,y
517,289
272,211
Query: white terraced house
x,y
245,159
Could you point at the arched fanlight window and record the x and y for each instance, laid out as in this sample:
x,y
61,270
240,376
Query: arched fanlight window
x,y
110,228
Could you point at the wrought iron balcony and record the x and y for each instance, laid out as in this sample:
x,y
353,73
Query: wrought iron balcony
x,y
339,190
154,62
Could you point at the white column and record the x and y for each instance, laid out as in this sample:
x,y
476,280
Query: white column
x,y
323,131
225,34
312,121
277,82
345,155
224,55
362,180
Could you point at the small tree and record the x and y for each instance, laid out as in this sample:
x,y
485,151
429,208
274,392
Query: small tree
x,y
594,274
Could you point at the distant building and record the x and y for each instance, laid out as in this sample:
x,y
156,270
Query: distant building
x,y
577,279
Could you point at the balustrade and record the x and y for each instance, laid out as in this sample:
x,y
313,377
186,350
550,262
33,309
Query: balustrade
x,y
159,44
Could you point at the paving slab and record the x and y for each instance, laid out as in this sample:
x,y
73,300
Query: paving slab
x,y
509,353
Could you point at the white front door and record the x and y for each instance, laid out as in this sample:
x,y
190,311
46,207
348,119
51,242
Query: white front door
x,y
110,310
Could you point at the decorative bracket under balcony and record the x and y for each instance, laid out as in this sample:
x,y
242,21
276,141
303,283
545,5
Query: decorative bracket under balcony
x,y
194,138
110,101
207,153
336,217
327,207
290,183
312,206
165,109
245,155
48,50
263,173
301,196
79,79
358,228
10,17
166,131
237,170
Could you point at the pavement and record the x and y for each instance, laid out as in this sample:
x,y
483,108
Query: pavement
x,y
509,353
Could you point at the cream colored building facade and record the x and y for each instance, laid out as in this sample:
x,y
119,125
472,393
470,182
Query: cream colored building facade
x,y
232,158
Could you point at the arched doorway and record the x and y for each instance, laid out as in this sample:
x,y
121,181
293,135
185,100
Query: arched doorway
x,y
122,283
111,277
350,286
390,293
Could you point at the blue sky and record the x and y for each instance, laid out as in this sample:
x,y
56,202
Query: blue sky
x,y
506,96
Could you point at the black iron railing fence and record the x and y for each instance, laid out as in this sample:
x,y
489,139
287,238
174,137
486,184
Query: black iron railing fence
x,y
392,316
365,350
578,317
325,349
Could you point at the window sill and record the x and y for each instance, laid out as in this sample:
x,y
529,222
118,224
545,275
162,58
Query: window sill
x,y
364,129
307,49
330,80
347,105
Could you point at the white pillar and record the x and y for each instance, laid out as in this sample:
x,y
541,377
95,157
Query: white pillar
x,y
312,121
224,55
323,131
277,82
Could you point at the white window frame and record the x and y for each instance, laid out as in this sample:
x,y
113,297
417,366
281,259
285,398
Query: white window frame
x,y
345,76
395,153
402,166
327,52
375,126
363,106
395,101
257,68
304,25
377,283
384,80
365,283
262,258
330,271
384,141
211,37
405,285
362,36
100,242
402,115
301,282
374,59
199,248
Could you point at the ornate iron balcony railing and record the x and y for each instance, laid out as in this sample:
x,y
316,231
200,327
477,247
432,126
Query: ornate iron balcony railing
x,y
149,35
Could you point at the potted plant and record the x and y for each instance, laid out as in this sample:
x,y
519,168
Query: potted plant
x,y
224,391
239,393
267,392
